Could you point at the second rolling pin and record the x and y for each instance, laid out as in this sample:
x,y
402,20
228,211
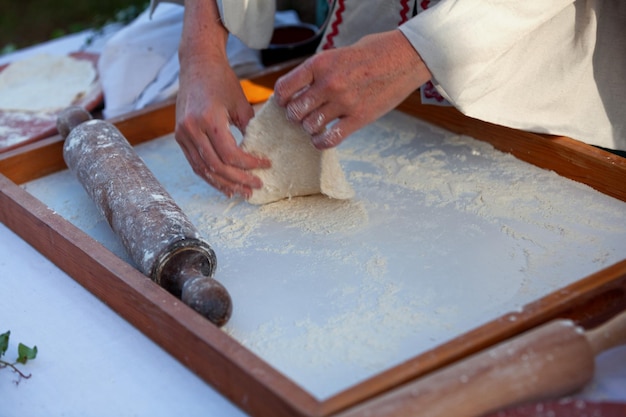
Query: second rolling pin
x,y
549,361
156,233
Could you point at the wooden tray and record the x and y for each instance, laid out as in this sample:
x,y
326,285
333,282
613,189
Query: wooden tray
x,y
237,373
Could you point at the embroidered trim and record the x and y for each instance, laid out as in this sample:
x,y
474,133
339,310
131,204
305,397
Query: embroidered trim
x,y
430,92
404,11
341,7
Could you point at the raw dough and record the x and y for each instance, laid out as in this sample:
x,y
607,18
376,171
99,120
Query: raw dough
x,y
298,168
44,83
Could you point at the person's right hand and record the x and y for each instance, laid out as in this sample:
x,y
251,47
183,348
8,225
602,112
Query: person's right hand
x,y
210,100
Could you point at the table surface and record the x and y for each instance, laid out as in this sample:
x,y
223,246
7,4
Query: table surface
x,y
92,362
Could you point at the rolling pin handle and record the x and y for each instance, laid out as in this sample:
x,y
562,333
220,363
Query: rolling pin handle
x,y
186,270
608,335
70,118
205,295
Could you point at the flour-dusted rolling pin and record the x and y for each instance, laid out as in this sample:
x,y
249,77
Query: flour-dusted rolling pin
x,y
550,361
156,233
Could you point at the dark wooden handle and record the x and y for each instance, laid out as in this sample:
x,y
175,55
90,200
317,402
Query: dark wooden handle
x,y
608,335
71,118
205,295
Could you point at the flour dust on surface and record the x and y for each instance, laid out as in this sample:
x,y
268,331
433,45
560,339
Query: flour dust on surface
x,y
444,234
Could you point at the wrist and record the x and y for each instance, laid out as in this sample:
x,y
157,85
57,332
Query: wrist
x,y
410,58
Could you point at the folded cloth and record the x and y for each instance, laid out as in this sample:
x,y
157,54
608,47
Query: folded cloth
x,y
132,59
139,65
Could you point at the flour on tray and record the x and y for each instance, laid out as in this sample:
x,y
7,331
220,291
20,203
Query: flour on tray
x,y
444,234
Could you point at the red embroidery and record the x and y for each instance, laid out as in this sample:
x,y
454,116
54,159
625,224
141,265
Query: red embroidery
x,y
404,12
341,7
431,92
424,4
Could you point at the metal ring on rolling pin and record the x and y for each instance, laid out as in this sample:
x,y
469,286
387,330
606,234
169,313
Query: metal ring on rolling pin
x,y
195,245
190,278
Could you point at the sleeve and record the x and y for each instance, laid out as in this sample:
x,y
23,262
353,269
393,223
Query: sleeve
x,y
252,21
522,64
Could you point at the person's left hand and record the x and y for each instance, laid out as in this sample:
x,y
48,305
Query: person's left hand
x,y
354,85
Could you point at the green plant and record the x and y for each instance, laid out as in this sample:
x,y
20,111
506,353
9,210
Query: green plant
x,y
24,354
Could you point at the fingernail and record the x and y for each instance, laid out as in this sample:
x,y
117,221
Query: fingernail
x,y
291,114
329,138
296,110
314,126
257,183
244,192
208,176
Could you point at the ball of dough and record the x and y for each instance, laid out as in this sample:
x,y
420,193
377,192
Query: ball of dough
x,y
298,168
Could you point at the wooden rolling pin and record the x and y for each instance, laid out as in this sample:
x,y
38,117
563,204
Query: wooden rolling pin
x,y
549,361
158,236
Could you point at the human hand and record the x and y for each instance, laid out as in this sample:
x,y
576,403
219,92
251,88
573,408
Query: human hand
x,y
353,85
210,99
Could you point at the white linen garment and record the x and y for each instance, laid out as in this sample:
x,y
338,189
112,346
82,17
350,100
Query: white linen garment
x,y
252,21
556,67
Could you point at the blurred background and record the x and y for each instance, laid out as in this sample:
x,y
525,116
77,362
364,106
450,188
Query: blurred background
x,y
27,22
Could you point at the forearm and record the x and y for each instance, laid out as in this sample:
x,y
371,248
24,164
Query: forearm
x,y
252,21
204,37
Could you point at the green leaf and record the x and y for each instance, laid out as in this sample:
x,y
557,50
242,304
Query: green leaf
x,y
25,353
4,342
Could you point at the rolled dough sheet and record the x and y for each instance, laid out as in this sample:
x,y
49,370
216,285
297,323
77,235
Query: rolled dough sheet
x,y
298,168
45,82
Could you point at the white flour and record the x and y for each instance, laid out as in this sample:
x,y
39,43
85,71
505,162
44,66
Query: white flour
x,y
444,234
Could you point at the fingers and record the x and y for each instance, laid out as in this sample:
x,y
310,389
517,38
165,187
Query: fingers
x,y
225,186
290,84
315,115
215,157
315,122
338,91
315,95
301,96
336,133
301,105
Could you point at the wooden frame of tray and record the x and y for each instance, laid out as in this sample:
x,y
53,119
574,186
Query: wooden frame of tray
x,y
238,374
